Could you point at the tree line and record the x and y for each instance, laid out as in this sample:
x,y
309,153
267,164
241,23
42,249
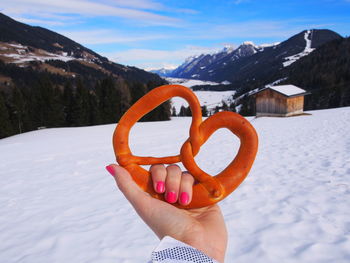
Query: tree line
x,y
46,105
186,111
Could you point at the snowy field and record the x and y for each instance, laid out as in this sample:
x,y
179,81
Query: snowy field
x,y
193,82
58,204
211,99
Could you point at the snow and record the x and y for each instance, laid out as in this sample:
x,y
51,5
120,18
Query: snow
x,y
26,57
20,46
290,60
211,99
192,82
288,90
269,45
225,82
249,43
58,204
275,82
23,55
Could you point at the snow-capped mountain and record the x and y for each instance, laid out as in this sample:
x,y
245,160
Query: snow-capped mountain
x,y
250,61
163,72
202,66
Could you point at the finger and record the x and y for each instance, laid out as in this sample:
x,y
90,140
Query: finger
x,y
126,184
186,187
158,174
172,183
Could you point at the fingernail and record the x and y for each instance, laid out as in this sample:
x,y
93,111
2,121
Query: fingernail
x,y
110,169
184,198
160,187
170,197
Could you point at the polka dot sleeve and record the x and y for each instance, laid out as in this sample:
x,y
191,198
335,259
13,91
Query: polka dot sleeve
x,y
171,250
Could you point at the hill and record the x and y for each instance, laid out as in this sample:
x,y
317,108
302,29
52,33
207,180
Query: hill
x,y
48,80
325,73
249,62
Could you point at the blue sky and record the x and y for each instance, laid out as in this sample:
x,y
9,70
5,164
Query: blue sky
x,y
162,33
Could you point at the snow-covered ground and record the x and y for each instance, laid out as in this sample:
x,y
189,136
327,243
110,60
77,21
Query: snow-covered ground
x,y
194,82
58,204
211,99
290,60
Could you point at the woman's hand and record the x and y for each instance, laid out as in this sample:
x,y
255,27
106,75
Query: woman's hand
x,y
202,228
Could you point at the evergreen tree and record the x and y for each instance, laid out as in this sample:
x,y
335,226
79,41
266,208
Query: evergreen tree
x,y
5,123
182,111
81,103
224,106
217,109
173,112
232,107
18,104
188,111
204,111
68,104
94,112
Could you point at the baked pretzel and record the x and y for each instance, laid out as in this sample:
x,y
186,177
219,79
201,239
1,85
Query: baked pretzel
x,y
208,190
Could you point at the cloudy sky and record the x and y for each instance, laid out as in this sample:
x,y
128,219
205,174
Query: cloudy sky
x,y
162,33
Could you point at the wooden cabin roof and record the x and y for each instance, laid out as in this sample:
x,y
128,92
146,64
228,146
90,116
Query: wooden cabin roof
x,y
286,90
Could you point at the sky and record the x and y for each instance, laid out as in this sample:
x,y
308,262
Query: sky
x,y
153,34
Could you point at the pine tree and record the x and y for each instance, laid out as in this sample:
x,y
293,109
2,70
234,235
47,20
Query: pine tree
x,y
224,106
94,112
182,111
68,104
173,111
188,111
232,107
5,123
18,104
204,111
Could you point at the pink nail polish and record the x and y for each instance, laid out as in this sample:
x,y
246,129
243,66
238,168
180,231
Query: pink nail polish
x,y
160,187
184,198
170,197
110,169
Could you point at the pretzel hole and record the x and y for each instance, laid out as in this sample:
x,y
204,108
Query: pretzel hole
x,y
159,138
218,151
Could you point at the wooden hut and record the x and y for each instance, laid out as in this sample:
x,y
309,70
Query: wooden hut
x,y
283,101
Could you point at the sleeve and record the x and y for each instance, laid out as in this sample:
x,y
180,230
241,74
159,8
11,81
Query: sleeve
x,y
171,250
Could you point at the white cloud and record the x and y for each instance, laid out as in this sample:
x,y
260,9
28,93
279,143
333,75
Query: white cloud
x,y
138,4
89,8
39,21
249,29
151,58
106,36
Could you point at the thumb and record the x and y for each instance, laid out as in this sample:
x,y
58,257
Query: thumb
x,y
125,183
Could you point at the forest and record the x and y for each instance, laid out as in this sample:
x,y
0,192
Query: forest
x,y
47,101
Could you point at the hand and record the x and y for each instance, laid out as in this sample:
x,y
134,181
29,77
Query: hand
x,y
202,228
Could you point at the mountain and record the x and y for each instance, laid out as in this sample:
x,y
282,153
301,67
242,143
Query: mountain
x,y
325,73
204,66
43,49
48,80
163,72
249,61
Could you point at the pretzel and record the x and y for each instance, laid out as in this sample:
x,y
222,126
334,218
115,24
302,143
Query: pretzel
x,y
208,190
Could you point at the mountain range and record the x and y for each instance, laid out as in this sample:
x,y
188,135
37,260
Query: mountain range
x,y
315,60
45,50
49,80
248,59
